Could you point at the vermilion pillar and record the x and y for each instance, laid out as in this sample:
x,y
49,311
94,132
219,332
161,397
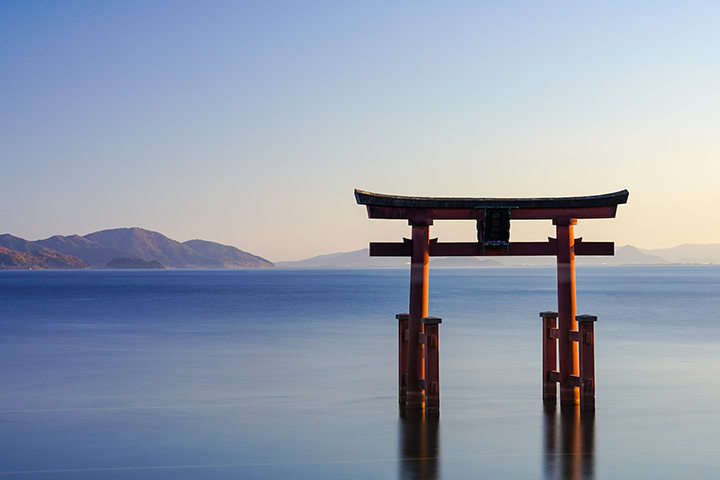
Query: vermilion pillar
x,y
403,336
567,308
419,277
432,364
549,349
586,347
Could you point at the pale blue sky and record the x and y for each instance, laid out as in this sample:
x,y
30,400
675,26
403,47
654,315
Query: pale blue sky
x,y
250,123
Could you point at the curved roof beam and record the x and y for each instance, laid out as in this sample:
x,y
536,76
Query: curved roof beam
x,y
397,201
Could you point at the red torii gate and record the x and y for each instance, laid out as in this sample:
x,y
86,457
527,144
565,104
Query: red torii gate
x,y
419,365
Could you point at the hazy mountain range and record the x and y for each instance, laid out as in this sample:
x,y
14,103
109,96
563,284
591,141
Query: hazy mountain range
x,y
139,248
627,255
97,249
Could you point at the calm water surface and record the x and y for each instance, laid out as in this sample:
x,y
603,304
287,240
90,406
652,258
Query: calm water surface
x,y
268,374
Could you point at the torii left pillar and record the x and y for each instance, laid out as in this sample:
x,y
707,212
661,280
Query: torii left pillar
x,y
567,309
419,277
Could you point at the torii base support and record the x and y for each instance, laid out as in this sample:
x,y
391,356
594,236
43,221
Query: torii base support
x,y
429,384
584,336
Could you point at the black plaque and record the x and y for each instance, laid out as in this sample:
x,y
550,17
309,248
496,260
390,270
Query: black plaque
x,y
496,227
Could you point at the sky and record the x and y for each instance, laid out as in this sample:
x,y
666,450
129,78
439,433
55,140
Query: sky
x,y
251,123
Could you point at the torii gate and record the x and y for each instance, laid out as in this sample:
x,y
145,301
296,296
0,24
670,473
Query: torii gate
x,y
419,365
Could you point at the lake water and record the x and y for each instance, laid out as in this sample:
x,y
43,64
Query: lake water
x,y
274,374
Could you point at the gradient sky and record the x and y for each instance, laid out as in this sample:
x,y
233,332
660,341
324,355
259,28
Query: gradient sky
x,y
250,123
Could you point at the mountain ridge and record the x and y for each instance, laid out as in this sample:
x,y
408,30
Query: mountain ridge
x,y
38,259
688,253
152,246
231,257
98,248
624,255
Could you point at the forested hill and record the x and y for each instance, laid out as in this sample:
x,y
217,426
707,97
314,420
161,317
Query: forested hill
x,y
99,248
39,259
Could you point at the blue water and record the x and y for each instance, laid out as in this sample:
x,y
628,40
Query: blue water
x,y
266,374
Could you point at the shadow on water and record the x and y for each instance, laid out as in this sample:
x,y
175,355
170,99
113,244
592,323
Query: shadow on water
x,y
569,443
419,445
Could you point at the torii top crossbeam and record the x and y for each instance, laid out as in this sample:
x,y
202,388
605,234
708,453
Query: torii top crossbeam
x,y
395,206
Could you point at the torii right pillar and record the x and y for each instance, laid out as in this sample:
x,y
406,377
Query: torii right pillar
x,y
567,308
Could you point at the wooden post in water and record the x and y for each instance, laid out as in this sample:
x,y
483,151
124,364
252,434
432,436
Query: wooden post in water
x,y
403,336
567,308
419,277
432,364
586,347
550,374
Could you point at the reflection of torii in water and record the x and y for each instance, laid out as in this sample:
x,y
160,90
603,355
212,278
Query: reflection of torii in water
x,y
419,378
569,444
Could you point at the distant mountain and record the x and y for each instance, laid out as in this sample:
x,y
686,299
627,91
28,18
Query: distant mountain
x,y
688,253
133,263
362,258
358,258
626,255
148,245
230,257
39,259
99,248
92,252
630,255
18,244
